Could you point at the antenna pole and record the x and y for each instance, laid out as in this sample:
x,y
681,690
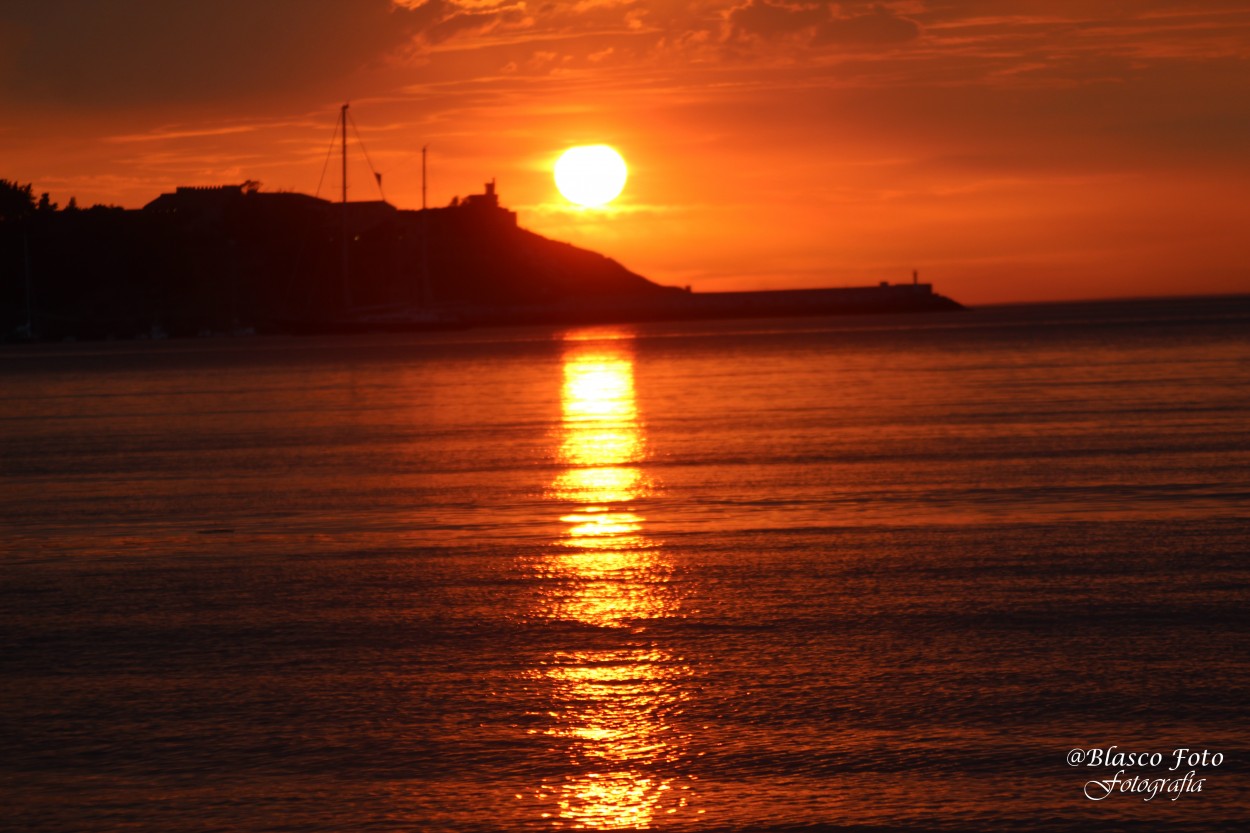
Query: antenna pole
x,y
424,148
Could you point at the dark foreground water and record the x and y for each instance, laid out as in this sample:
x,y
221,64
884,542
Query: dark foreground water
x,y
867,574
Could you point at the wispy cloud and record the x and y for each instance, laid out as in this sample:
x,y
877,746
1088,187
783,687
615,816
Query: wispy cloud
x,y
168,134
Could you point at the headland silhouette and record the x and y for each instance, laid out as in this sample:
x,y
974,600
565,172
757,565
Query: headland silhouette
x,y
233,258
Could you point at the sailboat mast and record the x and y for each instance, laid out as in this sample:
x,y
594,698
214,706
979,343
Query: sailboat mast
x,y
427,295
347,295
344,137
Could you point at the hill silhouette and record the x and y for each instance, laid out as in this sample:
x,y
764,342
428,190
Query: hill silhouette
x,y
232,258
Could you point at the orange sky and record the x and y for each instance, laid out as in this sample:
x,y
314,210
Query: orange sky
x,y
1009,149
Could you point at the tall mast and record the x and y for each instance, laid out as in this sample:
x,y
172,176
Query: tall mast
x,y
344,116
427,294
347,293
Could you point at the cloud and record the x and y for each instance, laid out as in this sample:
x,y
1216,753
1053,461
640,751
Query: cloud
x,y
879,27
167,134
84,53
768,19
107,54
88,53
441,20
821,24
127,52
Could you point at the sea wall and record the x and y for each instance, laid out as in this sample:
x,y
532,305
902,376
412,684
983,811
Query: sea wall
x,y
682,305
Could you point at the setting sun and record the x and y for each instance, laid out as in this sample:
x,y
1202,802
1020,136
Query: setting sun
x,y
590,175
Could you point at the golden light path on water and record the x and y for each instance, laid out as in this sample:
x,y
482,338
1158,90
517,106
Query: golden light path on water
x,y
611,707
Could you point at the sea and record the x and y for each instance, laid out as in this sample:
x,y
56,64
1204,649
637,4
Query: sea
x,y
974,571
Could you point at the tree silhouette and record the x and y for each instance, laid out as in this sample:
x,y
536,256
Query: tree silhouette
x,y
15,200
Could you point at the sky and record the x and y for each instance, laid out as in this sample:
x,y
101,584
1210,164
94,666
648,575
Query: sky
x,y
1009,150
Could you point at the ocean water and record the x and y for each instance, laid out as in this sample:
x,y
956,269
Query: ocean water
x,y
873,574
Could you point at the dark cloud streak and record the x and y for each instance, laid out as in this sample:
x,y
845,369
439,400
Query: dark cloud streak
x,y
879,27
822,24
85,53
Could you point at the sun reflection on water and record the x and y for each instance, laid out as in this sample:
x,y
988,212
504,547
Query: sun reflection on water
x,y
612,709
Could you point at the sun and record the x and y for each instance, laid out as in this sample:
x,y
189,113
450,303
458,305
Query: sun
x,y
590,175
